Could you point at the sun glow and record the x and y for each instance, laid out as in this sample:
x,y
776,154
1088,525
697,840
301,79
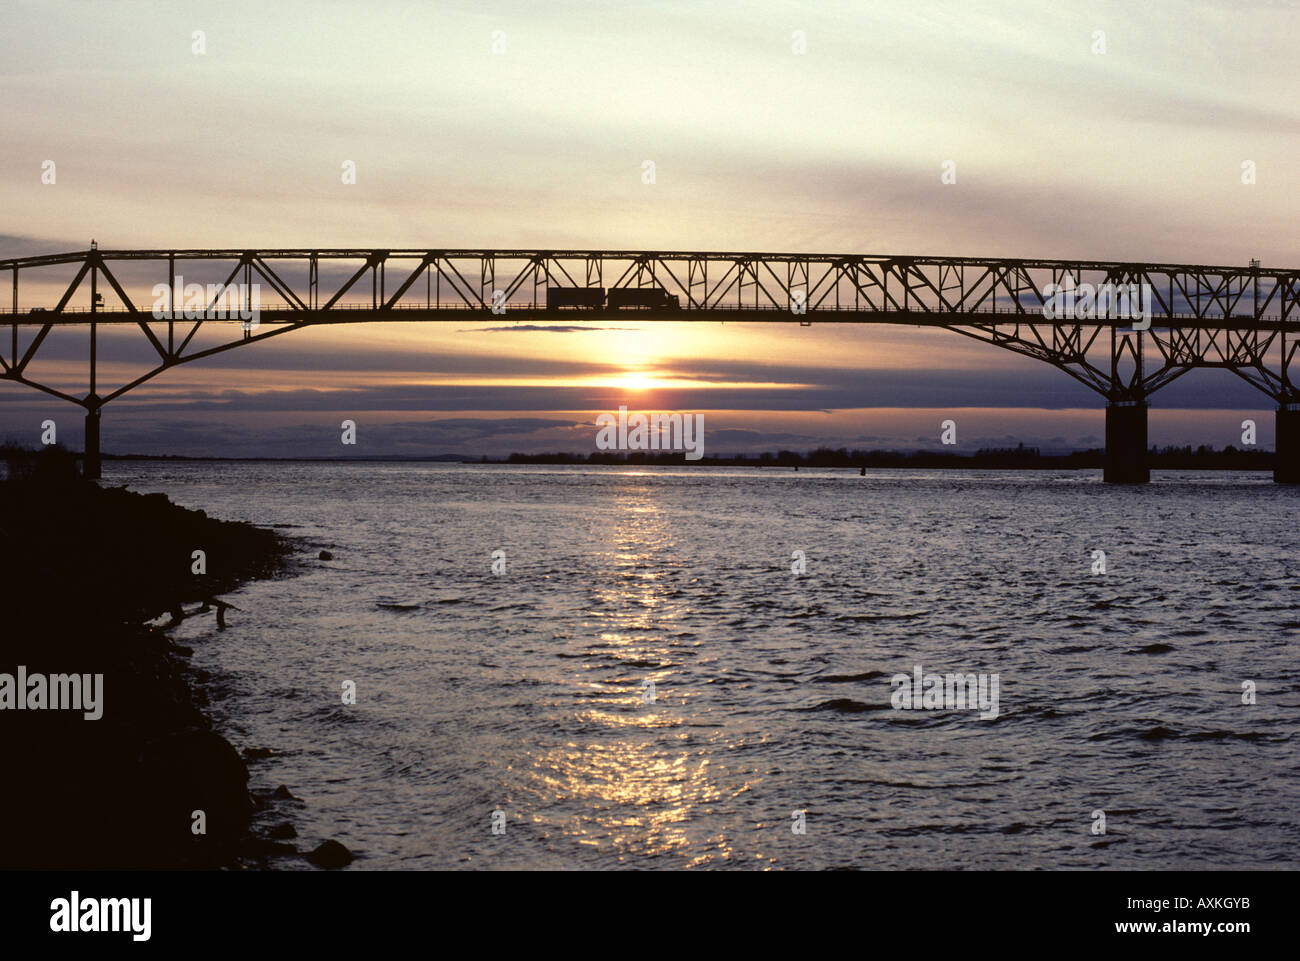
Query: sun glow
x,y
637,381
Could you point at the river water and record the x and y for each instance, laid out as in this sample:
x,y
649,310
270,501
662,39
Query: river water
x,y
650,684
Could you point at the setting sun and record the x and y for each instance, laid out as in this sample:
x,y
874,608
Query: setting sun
x,y
637,381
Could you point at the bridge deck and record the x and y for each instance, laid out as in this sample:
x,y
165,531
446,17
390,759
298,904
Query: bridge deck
x,y
518,313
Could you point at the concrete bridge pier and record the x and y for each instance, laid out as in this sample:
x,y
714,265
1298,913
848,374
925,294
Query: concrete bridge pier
x,y
1126,442
90,462
1286,463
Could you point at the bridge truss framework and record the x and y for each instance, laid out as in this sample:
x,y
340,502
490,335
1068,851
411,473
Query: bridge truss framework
x,y
1243,319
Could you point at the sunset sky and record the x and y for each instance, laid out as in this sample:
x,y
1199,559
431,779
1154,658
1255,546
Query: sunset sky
x,y
1131,154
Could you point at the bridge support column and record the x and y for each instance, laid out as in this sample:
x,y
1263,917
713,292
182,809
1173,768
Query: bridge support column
x,y
1286,462
90,463
1126,442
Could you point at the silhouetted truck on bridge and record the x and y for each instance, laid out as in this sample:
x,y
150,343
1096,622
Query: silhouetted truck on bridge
x,y
642,297
589,297
616,298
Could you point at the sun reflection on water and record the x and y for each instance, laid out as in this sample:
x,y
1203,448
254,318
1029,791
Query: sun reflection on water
x,y
637,796
637,786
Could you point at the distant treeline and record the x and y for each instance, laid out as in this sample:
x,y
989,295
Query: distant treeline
x,y
1018,458
22,461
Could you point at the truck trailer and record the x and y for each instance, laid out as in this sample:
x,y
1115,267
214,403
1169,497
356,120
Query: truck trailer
x,y
592,298
643,297
588,297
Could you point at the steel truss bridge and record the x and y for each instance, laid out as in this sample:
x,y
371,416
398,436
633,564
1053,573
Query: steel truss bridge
x,y
1244,319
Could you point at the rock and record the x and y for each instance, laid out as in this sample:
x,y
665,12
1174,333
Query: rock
x,y
203,771
330,854
260,848
283,794
283,831
326,556
257,753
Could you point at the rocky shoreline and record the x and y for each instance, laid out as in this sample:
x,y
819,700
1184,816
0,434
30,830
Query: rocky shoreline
x,y
148,784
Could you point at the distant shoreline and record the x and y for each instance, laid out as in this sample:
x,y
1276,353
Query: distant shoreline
x,y
1168,458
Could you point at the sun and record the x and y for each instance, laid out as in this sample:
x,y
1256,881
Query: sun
x,y
635,380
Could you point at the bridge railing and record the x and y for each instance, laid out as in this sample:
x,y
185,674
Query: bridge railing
x,y
1028,311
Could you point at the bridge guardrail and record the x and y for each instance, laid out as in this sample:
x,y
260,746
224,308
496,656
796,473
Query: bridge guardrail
x,y
286,309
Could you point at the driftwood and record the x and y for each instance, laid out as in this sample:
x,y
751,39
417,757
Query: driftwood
x,y
179,614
